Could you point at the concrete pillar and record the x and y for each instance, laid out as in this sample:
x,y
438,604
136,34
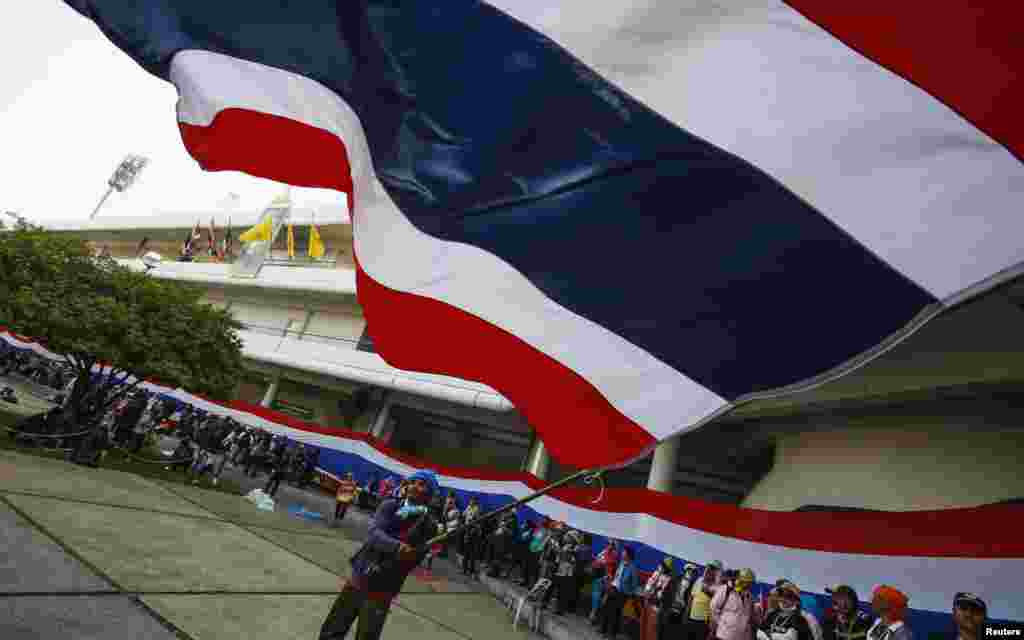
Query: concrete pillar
x,y
538,460
305,324
663,467
381,428
271,395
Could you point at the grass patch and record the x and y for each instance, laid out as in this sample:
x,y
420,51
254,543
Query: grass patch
x,y
117,460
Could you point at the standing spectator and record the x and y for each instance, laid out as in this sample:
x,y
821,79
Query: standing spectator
x,y
674,608
844,621
733,616
623,585
452,521
584,560
278,468
786,622
700,601
567,564
501,544
653,590
535,548
219,451
890,604
969,613
255,457
471,540
605,566
344,496
522,549
380,567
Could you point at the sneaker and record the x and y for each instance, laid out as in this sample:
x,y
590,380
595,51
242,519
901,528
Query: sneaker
x,y
215,481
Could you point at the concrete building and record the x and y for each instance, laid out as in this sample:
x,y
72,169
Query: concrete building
x,y
936,422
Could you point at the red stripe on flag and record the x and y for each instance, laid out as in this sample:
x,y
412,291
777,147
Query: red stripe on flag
x,y
969,55
979,532
577,424
248,141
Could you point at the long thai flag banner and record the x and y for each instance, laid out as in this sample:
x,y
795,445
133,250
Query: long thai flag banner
x,y
929,554
629,216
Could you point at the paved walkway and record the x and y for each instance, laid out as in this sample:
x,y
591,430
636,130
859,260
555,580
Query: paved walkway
x,y
93,553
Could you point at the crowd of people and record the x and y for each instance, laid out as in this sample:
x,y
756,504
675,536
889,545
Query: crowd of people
x,y
52,374
554,561
676,601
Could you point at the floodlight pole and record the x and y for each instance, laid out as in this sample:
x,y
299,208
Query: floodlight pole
x,y
106,195
124,176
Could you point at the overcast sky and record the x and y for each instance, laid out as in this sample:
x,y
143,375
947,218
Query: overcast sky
x,y
71,107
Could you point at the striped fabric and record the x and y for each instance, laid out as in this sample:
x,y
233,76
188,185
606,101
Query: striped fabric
x,y
626,217
928,554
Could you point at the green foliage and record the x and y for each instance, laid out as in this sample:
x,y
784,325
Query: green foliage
x,y
93,310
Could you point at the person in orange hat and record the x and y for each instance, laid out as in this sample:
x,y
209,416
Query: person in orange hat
x,y
890,604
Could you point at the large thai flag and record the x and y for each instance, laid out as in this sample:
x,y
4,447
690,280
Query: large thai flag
x,y
627,217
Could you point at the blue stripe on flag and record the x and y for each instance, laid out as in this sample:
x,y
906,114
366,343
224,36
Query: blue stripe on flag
x,y
486,133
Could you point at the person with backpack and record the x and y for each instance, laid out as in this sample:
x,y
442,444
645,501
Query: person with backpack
x,y
733,614
657,583
673,608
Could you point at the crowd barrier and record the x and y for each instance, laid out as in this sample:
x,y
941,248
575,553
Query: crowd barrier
x,y
930,555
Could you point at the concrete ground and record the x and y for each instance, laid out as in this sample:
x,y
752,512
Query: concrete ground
x,y
93,553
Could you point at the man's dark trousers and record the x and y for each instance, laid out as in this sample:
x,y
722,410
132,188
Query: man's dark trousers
x,y
353,604
611,613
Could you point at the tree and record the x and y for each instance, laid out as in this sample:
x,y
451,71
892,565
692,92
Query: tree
x,y
93,311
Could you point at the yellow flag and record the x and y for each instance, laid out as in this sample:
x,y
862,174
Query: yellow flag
x,y
261,231
316,245
291,242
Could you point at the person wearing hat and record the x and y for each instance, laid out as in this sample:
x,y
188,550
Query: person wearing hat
x,y
844,621
733,615
786,622
653,592
700,600
969,614
395,546
605,566
624,584
675,601
890,604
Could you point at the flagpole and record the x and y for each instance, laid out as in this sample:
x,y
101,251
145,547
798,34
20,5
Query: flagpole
x,y
588,475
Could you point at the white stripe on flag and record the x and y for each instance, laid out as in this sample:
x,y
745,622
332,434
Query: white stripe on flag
x,y
396,254
885,161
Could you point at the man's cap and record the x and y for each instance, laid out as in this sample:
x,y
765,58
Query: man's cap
x,y
715,564
788,588
840,588
969,598
429,478
689,567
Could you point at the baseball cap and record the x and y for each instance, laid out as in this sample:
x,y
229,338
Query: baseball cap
x,y
969,598
841,588
715,564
